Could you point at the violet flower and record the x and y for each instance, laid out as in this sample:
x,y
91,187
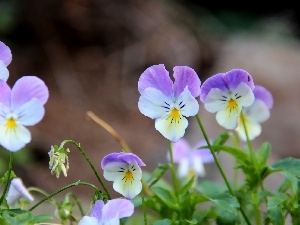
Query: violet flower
x,y
109,213
226,94
167,102
124,170
5,60
21,106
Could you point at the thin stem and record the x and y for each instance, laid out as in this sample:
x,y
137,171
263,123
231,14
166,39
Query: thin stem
x,y
90,163
219,167
174,177
110,130
144,207
8,177
78,204
62,189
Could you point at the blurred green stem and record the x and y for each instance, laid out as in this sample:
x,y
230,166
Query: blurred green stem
x,y
8,177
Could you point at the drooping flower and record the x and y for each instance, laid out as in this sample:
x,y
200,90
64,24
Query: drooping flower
x,y
226,94
59,160
190,160
167,102
255,114
16,191
109,213
124,170
5,60
21,106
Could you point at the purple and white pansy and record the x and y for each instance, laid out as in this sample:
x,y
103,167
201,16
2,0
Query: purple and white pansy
x,y
109,213
190,160
255,114
124,170
226,94
21,106
167,102
5,60
16,191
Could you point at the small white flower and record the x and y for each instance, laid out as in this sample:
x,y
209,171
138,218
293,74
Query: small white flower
x,y
16,191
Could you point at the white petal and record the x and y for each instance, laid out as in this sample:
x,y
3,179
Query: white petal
x,y
114,171
170,129
154,104
228,118
16,191
198,166
13,139
183,168
257,112
87,220
188,105
253,129
246,95
128,189
4,73
215,100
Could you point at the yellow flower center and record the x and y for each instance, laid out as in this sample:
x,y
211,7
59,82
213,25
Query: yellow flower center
x,y
11,123
232,103
128,175
175,115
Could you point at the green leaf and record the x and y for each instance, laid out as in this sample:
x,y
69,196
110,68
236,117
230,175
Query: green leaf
x,y
166,196
221,139
235,152
289,165
263,154
275,213
162,222
157,174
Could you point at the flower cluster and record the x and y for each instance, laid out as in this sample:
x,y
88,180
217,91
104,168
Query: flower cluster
x,y
240,107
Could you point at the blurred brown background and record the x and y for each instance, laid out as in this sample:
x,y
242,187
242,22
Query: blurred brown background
x,y
91,53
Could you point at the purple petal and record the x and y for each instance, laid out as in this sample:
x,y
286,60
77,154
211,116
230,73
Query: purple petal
x,y
186,76
5,54
226,81
5,93
203,153
96,210
121,157
157,77
263,94
26,88
180,150
120,207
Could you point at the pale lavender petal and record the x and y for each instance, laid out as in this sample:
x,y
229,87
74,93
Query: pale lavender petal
x,y
203,153
4,73
186,76
263,94
121,157
5,54
97,209
180,150
5,93
87,220
157,77
154,104
257,112
117,207
215,81
187,104
30,113
26,88
16,191
184,167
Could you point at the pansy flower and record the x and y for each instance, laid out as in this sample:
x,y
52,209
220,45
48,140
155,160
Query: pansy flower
x,y
5,60
255,114
16,191
226,94
109,213
167,102
21,106
190,160
124,170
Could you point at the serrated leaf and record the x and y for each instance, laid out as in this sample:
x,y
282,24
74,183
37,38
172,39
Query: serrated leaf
x,y
263,154
157,174
275,213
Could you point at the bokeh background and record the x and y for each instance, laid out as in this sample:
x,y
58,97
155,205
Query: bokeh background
x,y
91,53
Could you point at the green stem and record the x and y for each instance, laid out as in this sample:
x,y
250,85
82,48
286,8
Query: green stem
x,y
78,204
144,207
62,189
8,177
90,163
219,167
